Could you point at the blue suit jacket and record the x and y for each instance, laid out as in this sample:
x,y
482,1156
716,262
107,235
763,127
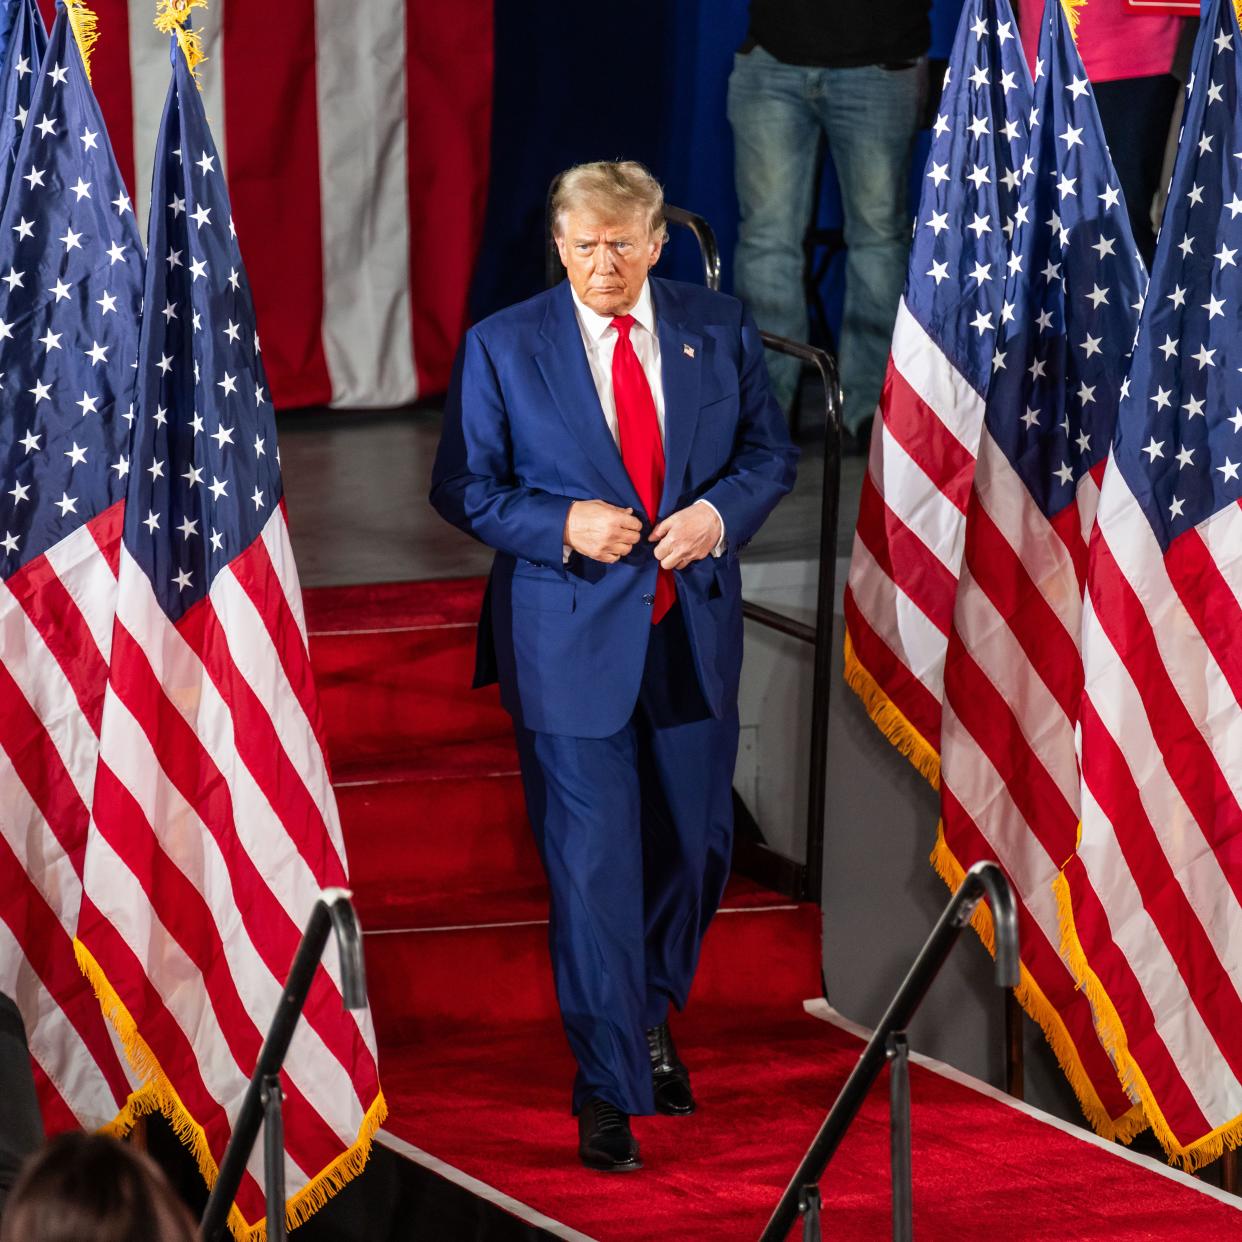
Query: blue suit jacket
x,y
524,437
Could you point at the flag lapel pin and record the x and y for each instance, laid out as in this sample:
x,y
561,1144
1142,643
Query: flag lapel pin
x,y
688,350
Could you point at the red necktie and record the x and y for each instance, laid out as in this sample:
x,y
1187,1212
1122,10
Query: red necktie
x,y
642,450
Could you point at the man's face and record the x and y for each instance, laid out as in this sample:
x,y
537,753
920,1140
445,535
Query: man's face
x,y
607,259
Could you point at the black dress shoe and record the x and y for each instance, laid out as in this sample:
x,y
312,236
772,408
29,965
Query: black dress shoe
x,y
604,1138
669,1076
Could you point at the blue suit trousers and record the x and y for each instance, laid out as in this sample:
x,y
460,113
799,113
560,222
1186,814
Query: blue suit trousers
x,y
636,833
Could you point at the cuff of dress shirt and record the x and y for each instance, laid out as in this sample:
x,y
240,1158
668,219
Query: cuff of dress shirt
x,y
722,542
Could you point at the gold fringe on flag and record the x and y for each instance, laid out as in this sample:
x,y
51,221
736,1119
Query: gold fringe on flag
x,y
171,17
1041,1011
85,26
1072,14
157,1094
1112,1034
889,719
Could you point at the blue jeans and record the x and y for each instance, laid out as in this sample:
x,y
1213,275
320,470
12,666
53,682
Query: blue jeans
x,y
869,116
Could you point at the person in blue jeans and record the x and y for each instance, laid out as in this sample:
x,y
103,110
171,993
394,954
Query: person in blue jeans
x,y
855,73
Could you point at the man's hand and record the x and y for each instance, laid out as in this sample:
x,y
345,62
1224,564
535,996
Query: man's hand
x,y
601,531
686,536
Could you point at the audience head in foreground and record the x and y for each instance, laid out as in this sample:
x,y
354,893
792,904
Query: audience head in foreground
x,y
87,1188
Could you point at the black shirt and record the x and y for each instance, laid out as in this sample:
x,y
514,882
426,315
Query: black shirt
x,y
840,34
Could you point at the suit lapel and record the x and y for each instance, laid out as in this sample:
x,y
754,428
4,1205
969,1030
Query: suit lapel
x,y
563,363
681,355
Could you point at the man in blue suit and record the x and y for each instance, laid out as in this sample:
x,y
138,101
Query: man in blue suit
x,y
615,439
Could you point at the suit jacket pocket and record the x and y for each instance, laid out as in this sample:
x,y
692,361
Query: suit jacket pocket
x,y
716,406
547,594
716,429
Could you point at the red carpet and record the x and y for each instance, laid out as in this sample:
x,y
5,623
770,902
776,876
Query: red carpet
x,y
474,1063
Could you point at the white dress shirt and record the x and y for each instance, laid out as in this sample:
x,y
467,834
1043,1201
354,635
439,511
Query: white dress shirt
x,y
599,338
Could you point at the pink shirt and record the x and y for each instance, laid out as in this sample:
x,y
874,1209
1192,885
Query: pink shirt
x,y
1114,41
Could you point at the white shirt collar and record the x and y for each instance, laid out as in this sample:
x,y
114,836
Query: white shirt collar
x,y
596,324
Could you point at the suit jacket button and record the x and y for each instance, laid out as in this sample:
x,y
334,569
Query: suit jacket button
x,y
648,599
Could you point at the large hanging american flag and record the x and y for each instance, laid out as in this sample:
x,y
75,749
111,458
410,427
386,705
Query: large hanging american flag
x,y
70,292
355,135
214,825
1151,898
1013,676
908,546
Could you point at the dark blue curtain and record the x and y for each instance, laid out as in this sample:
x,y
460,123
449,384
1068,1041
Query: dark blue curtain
x,y
644,81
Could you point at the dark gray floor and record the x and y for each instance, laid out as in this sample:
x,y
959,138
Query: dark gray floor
x,y
357,482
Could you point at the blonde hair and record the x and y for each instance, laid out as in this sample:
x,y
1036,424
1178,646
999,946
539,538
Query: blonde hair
x,y
611,188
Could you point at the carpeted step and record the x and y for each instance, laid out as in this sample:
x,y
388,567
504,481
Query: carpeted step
x,y
440,836
442,839
389,692
422,982
394,664
431,851
393,605
474,758
426,851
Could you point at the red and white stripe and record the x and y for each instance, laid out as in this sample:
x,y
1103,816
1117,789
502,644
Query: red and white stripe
x,y
356,140
214,832
55,632
1156,885
1009,767
911,525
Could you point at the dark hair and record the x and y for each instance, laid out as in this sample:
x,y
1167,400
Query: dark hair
x,y
88,1188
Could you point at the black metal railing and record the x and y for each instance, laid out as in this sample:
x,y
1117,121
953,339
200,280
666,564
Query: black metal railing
x,y
888,1045
807,877
705,235
261,1106
818,635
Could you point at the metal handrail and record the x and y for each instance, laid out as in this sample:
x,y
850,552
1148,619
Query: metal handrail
x,y
983,879
825,603
261,1105
705,235
819,635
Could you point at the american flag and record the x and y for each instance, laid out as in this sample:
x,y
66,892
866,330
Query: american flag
x,y
908,545
214,824
70,293
371,163
1151,897
1013,676
22,44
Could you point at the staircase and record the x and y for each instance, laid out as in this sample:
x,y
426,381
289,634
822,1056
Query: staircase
x,y
475,1067
449,887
